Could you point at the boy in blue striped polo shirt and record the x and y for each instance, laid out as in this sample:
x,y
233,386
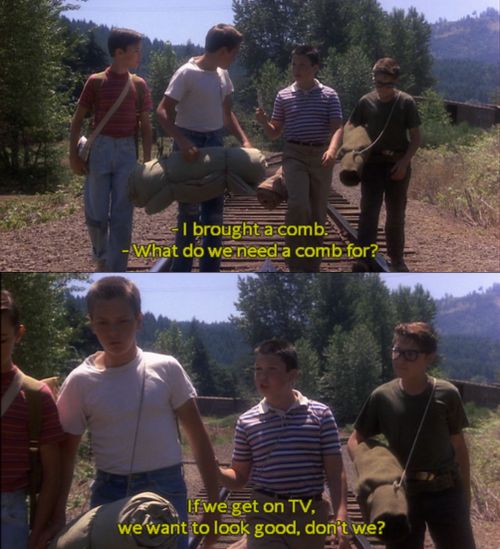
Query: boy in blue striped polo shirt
x,y
310,116
286,446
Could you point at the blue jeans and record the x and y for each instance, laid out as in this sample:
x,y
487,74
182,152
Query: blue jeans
x,y
15,528
210,212
108,210
167,483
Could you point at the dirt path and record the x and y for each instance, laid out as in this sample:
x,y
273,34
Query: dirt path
x,y
442,243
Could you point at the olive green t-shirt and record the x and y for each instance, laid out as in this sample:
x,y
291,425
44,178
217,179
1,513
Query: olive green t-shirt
x,y
397,415
372,113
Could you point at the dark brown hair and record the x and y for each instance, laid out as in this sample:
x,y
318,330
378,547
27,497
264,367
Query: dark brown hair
x,y
111,287
121,39
8,304
421,333
309,51
388,66
222,36
282,348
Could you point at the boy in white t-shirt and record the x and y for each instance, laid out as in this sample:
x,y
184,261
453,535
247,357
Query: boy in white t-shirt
x,y
129,401
194,111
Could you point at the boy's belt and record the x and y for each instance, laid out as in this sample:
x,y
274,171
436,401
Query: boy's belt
x,y
315,497
306,143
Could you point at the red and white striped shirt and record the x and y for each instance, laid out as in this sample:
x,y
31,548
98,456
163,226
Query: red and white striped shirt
x,y
15,435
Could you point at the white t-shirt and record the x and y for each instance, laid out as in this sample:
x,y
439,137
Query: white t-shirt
x,y
106,401
200,95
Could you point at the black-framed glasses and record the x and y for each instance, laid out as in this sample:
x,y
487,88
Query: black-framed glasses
x,y
408,354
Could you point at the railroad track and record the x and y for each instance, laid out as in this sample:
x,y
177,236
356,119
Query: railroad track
x,y
341,228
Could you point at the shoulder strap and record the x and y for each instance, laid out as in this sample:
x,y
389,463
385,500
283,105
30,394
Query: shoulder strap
x,y
32,388
139,88
109,114
12,391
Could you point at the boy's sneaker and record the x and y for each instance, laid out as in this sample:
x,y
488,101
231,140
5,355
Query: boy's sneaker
x,y
399,266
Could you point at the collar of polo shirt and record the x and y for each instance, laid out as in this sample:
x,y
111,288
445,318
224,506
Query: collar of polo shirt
x,y
300,400
317,84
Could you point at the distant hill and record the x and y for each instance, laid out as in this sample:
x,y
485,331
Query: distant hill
x,y
469,330
466,57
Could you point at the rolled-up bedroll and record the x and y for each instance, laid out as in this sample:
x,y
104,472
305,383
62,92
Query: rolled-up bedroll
x,y
272,191
146,520
353,154
156,184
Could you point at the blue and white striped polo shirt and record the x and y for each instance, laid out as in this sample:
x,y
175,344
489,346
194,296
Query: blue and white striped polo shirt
x,y
306,115
287,448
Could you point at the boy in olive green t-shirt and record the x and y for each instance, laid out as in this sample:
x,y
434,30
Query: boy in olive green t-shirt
x,y
387,172
437,479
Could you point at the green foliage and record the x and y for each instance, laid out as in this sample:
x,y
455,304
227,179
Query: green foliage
x,y
268,81
32,113
349,74
310,369
44,350
437,127
353,369
484,447
463,178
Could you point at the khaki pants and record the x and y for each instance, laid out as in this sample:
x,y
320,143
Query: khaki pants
x,y
308,184
318,511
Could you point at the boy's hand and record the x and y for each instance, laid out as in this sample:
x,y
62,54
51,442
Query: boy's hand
x,y
246,144
261,116
77,165
328,159
189,151
399,170
209,519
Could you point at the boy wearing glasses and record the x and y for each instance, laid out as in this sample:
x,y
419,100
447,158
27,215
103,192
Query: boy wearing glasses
x,y
437,479
387,171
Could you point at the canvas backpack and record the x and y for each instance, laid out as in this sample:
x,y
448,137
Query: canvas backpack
x,y
32,388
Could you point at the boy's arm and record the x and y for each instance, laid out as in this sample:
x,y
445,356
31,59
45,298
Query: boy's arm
x,y
204,456
337,484
401,167
462,458
235,477
328,158
76,163
50,457
146,134
69,448
232,124
166,118
355,439
273,129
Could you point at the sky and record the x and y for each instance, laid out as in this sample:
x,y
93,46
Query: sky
x,y
211,297
179,20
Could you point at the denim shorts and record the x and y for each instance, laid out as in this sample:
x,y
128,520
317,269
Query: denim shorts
x,y
15,528
167,483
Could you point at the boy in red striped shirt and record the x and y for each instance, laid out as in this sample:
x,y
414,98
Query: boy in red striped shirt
x,y
108,210
15,448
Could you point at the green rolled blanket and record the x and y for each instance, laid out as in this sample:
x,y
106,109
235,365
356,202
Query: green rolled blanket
x,y
98,528
377,469
352,154
156,184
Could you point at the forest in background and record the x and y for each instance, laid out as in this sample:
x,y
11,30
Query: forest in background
x,y
341,324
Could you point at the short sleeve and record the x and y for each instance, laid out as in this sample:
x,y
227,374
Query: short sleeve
x,y
412,115
227,84
278,111
242,450
88,96
181,388
329,434
70,407
334,107
367,422
51,431
455,413
177,86
357,118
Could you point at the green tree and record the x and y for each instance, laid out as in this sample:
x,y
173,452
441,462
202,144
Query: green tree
x,y
353,368
33,114
349,74
273,305
199,362
45,349
173,342
367,28
270,79
309,369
